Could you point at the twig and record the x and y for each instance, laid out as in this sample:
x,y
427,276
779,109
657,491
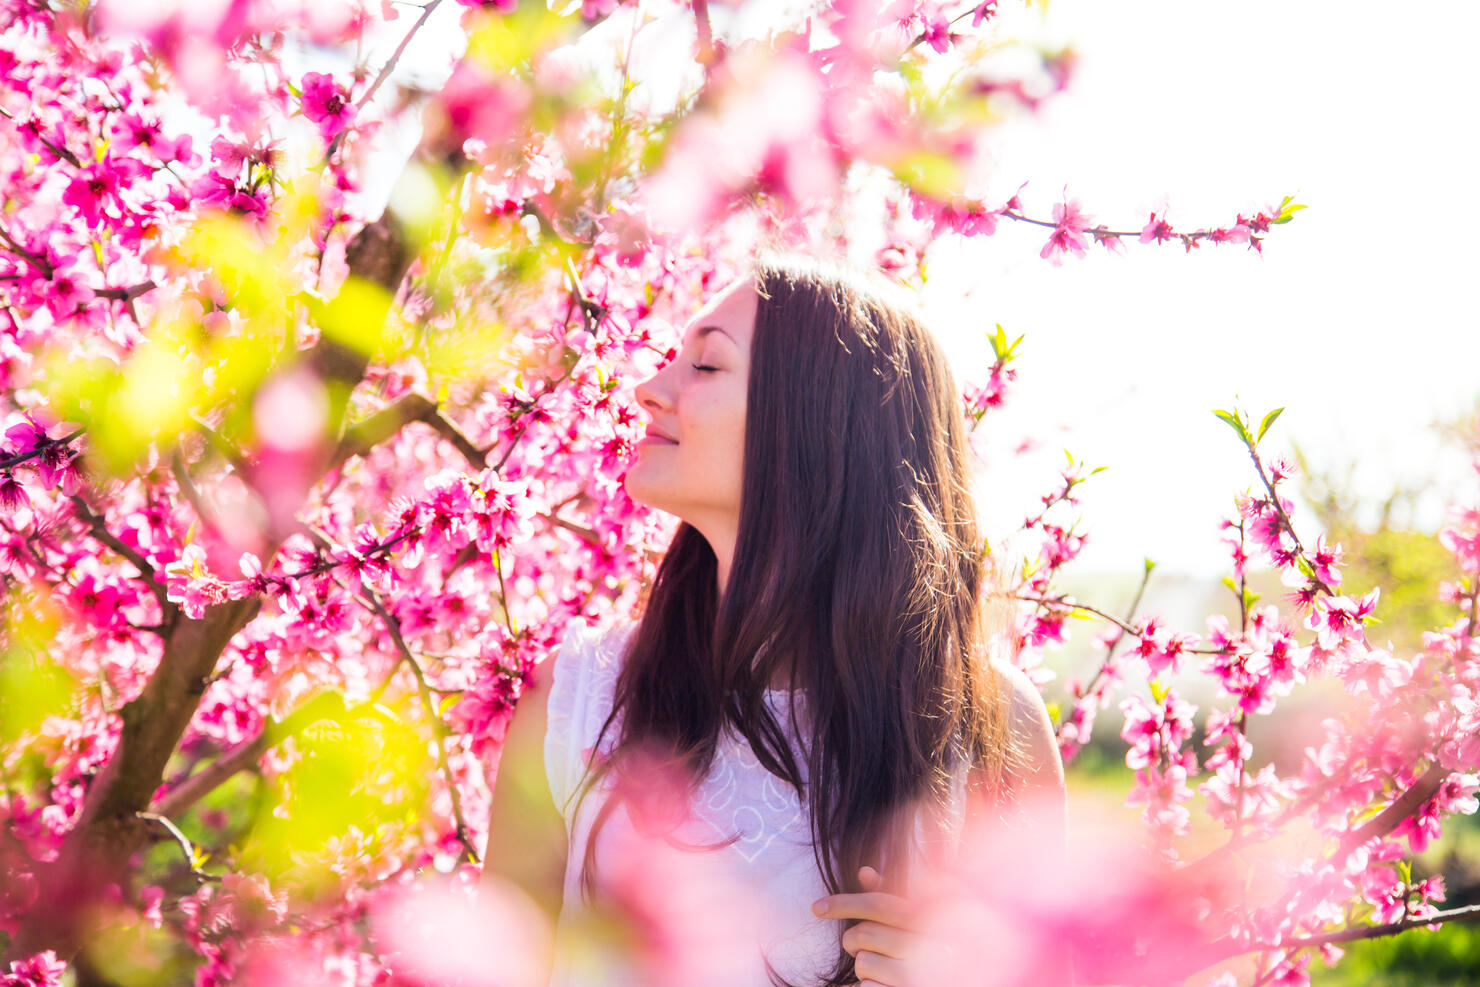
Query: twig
x,y
36,453
186,847
60,152
1066,604
100,532
1274,502
1358,933
1130,614
920,38
390,65
393,626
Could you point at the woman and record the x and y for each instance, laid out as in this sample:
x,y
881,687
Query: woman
x,y
818,615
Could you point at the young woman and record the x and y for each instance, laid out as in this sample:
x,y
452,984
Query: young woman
x,y
811,657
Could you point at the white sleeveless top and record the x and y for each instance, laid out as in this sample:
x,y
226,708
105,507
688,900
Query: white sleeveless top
x,y
754,899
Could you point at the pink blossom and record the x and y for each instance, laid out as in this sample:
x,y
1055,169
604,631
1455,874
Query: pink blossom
x,y
1163,794
1068,234
1338,621
326,103
189,584
937,31
40,970
1462,537
1157,230
1238,233
13,495
1324,562
95,192
1161,648
1377,673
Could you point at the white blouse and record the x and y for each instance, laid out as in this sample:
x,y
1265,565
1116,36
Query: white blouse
x,y
771,865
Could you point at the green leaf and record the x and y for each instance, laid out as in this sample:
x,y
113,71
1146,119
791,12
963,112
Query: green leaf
x,y
1236,423
1002,350
1158,690
1269,420
1055,713
1288,208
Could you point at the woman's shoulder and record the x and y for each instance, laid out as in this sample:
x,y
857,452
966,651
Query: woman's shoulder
x,y
1031,728
596,642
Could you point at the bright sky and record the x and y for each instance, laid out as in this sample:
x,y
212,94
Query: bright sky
x,y
1356,319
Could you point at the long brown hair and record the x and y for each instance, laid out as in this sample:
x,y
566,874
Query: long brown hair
x,y
858,570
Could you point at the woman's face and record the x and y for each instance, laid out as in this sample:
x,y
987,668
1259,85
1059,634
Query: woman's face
x,y
689,464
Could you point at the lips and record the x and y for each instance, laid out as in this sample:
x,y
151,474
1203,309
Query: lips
x,y
658,433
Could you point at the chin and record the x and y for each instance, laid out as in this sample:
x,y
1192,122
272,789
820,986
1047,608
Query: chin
x,y
640,489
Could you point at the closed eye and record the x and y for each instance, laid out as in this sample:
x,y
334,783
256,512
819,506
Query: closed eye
x,y
704,368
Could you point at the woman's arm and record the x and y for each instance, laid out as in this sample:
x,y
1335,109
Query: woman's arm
x,y
892,943
526,834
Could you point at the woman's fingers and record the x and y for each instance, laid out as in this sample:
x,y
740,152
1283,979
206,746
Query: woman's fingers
x,y
870,906
871,967
885,940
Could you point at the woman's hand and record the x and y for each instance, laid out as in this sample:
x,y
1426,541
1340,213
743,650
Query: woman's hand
x,y
889,947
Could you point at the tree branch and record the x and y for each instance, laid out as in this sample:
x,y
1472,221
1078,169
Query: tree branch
x,y
429,706
99,531
186,847
1397,810
363,436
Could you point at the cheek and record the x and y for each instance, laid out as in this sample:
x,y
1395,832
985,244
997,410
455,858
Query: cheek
x,y
716,418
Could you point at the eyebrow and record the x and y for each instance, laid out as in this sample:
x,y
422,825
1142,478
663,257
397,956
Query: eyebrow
x,y
699,334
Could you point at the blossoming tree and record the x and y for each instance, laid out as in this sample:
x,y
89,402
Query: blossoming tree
x,y
297,492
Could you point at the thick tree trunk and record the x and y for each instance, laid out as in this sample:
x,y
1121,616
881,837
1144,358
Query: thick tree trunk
x,y
99,850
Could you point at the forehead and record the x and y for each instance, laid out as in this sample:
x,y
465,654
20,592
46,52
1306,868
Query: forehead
x,y
733,309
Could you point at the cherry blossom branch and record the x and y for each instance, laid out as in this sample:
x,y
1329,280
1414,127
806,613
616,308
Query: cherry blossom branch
x,y
61,152
429,705
1284,518
99,530
1399,809
42,444
1349,934
592,314
1130,614
1472,596
44,267
389,66
1064,603
503,597
1102,233
547,226
924,36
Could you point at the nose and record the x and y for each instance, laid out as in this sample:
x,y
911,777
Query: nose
x,y
652,393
